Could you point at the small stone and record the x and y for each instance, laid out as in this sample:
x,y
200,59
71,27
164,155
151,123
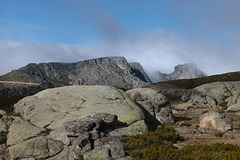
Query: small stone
x,y
2,113
189,131
227,136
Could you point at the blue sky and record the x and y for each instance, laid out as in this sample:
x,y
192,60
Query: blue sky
x,y
75,21
157,33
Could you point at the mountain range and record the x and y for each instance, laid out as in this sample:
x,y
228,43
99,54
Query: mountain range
x,y
113,71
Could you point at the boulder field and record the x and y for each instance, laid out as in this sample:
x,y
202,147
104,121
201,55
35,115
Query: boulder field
x,y
75,122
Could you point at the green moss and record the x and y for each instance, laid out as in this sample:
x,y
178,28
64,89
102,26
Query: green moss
x,y
14,114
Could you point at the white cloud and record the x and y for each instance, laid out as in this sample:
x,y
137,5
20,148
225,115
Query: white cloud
x,y
155,50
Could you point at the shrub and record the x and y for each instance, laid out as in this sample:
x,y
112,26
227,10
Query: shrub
x,y
17,114
158,145
152,145
80,157
187,124
189,107
231,111
223,105
205,151
204,112
3,139
218,134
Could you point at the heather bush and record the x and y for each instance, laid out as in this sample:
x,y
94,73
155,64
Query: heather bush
x,y
158,145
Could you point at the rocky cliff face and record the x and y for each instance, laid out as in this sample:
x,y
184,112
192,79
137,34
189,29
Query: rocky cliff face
x,y
182,71
111,71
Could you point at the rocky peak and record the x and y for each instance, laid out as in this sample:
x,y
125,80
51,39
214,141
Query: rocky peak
x,y
182,71
139,71
186,71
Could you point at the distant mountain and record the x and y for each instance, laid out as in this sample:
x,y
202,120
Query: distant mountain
x,y
112,71
182,71
192,83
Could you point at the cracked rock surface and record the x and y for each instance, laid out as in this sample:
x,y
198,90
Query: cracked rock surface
x,y
215,95
38,147
155,103
74,121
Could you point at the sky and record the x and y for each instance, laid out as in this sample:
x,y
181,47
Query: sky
x,y
159,34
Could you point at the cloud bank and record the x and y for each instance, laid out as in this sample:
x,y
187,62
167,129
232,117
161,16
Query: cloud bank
x,y
155,50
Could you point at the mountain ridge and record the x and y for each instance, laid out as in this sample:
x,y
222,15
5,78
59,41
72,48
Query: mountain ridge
x,y
113,71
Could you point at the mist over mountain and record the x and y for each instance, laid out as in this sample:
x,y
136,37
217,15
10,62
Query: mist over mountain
x,y
182,71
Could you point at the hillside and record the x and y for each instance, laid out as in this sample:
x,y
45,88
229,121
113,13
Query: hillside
x,y
192,83
112,71
28,80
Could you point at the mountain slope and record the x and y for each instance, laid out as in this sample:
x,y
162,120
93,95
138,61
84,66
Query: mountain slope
x,y
112,71
192,83
186,71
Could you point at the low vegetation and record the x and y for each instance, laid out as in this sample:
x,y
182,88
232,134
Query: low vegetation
x,y
187,124
153,144
159,145
6,103
218,134
3,139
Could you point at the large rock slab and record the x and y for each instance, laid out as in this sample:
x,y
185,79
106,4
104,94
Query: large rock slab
x,y
155,103
52,108
79,119
215,121
2,113
21,131
3,126
215,95
39,148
